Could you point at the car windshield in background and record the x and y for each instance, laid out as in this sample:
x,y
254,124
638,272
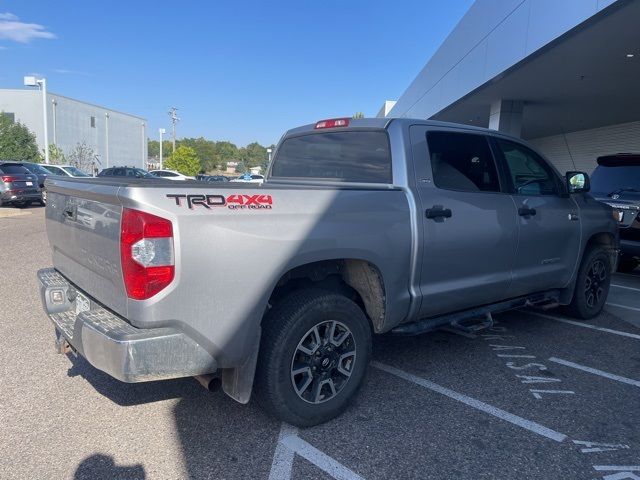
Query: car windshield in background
x,y
14,169
356,156
76,173
609,179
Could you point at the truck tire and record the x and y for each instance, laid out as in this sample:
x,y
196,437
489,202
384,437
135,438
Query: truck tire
x,y
314,354
592,285
627,264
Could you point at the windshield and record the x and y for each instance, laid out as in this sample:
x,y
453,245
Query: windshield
x,y
356,156
610,179
75,172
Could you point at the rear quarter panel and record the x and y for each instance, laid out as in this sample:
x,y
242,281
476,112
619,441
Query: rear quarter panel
x,y
229,260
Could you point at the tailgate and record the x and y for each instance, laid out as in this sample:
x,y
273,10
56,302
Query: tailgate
x,y
83,226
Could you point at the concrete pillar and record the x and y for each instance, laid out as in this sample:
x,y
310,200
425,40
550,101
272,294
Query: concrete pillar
x,y
506,116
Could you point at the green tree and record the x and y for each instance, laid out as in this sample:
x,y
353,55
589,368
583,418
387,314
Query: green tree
x,y
153,148
225,151
358,115
56,155
17,142
184,160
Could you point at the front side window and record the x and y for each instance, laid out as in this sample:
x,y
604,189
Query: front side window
x,y
462,161
355,156
529,172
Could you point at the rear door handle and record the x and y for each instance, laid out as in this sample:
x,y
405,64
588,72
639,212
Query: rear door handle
x,y
438,212
526,211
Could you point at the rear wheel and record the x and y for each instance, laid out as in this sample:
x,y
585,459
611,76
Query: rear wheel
x,y
592,285
627,264
314,354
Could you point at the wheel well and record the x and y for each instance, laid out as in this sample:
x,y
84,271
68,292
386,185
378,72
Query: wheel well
x,y
606,241
359,280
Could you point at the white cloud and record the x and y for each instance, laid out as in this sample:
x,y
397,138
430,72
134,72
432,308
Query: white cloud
x,y
11,28
65,71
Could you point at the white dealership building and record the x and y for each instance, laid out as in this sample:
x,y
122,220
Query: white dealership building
x,y
562,74
116,138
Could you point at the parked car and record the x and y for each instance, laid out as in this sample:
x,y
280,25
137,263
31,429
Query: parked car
x,y
170,175
126,172
616,181
18,186
40,172
249,178
217,178
65,170
369,226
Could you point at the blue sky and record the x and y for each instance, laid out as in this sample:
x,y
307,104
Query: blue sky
x,y
239,71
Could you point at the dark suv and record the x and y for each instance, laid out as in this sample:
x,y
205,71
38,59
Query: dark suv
x,y
616,182
18,186
125,172
40,172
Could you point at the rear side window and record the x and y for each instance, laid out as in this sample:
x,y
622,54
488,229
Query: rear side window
x,y
356,156
14,169
462,161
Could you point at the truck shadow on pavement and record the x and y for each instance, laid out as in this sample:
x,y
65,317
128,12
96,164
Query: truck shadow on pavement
x,y
100,466
219,437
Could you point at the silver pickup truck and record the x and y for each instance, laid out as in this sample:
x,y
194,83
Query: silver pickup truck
x,y
362,227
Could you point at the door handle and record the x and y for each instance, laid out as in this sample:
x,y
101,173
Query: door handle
x,y
526,211
438,212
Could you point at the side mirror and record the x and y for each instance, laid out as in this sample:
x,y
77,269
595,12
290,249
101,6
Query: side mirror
x,y
578,182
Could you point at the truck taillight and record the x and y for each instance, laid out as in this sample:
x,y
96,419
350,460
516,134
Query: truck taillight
x,y
146,253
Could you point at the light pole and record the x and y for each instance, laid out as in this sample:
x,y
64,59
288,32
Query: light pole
x,y
106,138
31,81
161,131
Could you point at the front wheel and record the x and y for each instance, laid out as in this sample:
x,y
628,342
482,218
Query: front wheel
x,y
592,285
314,354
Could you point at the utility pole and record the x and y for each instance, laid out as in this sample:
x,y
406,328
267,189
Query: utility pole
x,y
174,120
161,131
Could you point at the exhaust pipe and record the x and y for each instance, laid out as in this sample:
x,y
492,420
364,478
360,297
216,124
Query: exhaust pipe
x,y
210,382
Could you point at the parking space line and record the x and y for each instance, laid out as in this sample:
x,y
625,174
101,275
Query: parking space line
x,y
617,468
319,459
472,402
290,444
283,457
595,371
586,325
623,306
625,287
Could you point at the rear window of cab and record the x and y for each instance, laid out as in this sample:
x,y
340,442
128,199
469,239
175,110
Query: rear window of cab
x,y
351,156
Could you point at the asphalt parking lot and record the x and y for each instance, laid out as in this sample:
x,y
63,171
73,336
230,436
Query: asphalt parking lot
x,y
535,397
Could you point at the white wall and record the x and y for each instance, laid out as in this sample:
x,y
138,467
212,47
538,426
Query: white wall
x,y
127,133
579,150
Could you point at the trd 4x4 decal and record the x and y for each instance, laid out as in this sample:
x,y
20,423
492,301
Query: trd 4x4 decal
x,y
233,202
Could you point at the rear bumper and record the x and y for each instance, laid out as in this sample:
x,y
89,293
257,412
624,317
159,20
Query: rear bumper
x,y
113,345
9,196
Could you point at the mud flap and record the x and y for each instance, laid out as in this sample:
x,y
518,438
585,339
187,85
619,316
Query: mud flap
x,y
238,382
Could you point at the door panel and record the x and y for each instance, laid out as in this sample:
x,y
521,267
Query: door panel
x,y
467,255
549,229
